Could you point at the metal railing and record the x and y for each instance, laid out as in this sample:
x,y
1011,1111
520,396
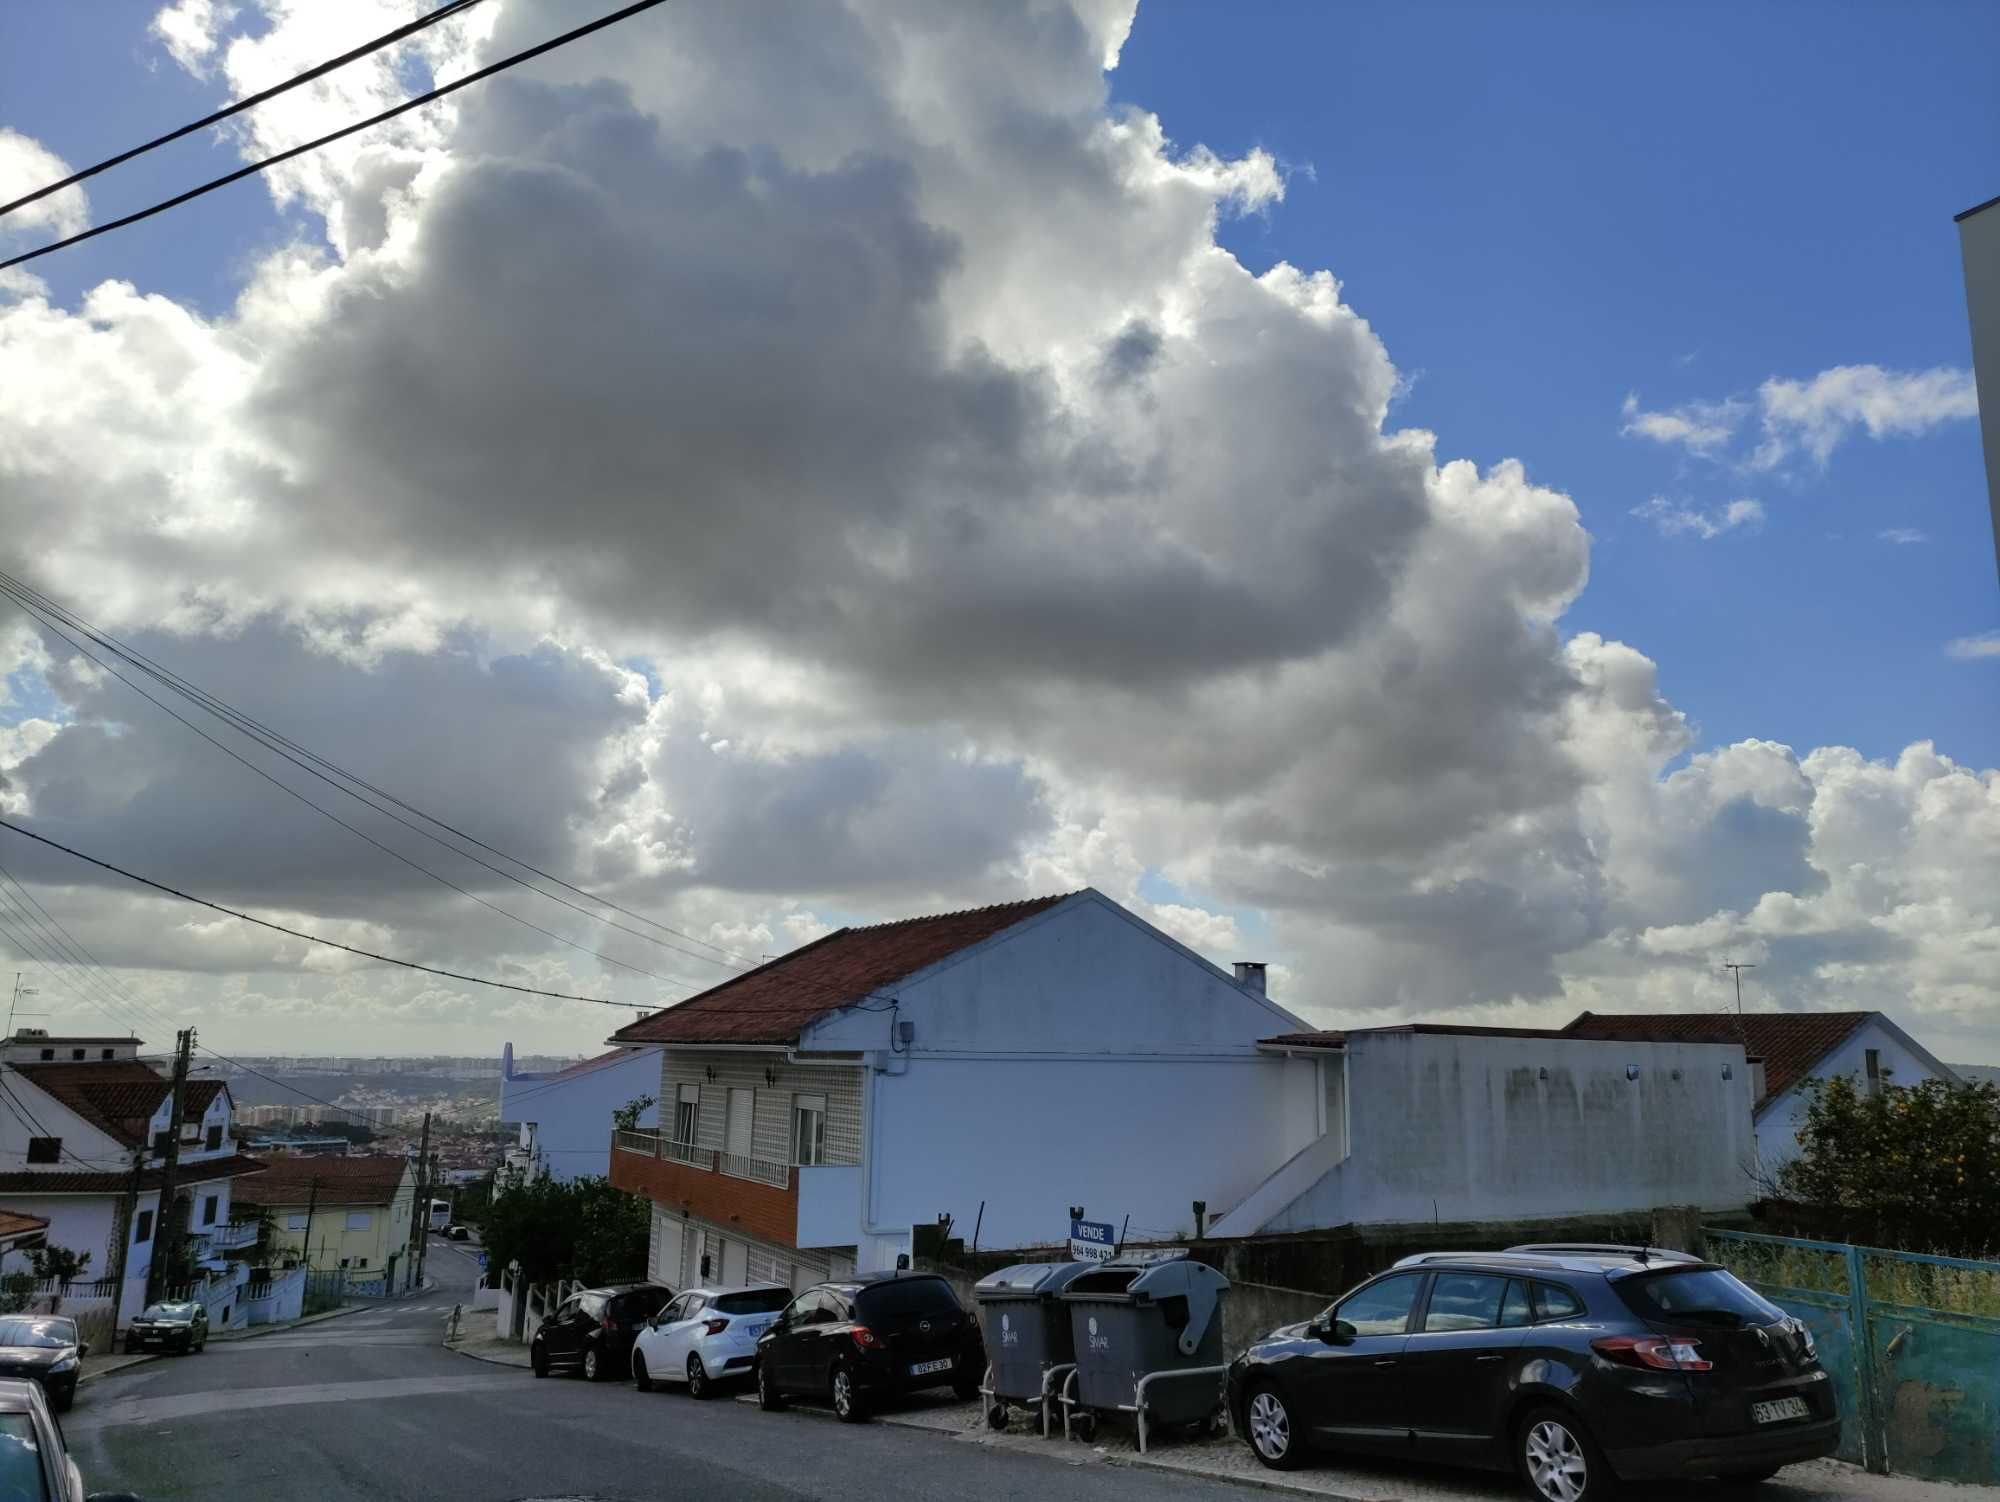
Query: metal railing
x,y
708,1160
231,1236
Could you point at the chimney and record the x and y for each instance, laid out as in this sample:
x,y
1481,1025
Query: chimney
x,y
1251,973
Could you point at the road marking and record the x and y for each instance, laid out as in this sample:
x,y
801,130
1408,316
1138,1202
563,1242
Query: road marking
x,y
128,1411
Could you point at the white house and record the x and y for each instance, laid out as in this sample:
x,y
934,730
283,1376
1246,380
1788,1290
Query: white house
x,y
81,1121
1786,1049
997,1066
1428,1122
565,1116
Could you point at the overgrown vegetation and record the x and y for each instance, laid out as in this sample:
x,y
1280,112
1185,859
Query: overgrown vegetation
x,y
584,1229
626,1117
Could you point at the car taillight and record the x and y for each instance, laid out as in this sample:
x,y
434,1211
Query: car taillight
x,y
1666,1353
865,1338
714,1326
610,1323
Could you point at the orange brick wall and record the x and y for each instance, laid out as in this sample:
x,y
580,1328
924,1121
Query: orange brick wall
x,y
758,1210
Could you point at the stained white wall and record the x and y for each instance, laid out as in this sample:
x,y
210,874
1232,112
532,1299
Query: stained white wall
x,y
1465,1128
573,1116
1778,1124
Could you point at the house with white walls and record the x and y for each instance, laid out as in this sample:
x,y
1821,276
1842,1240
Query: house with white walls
x,y
1430,1122
82,1121
563,1116
996,1067
1786,1050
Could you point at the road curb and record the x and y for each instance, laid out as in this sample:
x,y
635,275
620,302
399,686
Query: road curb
x,y
123,1366
1260,1483
519,1366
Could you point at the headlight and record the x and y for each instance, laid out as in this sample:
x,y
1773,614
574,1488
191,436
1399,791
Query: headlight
x,y
67,1364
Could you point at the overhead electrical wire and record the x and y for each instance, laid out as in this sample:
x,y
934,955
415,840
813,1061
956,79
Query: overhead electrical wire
x,y
296,933
389,38
576,34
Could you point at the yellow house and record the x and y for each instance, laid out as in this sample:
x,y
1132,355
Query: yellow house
x,y
351,1213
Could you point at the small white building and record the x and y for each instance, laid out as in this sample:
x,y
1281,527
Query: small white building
x,y
1785,1049
998,1067
82,1121
565,1116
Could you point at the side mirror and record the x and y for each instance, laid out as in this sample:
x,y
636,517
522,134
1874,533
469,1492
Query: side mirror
x,y
1334,1332
83,1350
1343,1333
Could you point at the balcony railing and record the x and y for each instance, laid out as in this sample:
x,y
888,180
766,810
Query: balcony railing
x,y
234,1236
735,1165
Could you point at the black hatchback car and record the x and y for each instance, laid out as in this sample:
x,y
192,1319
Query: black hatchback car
x,y
592,1331
1576,1367
43,1348
862,1341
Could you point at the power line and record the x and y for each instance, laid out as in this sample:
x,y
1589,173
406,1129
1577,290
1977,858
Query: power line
x,y
366,954
325,812
331,136
48,613
443,12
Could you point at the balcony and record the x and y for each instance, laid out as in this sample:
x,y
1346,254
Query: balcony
x,y
233,1237
759,1197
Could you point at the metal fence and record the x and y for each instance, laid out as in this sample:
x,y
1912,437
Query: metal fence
x,y
1911,1341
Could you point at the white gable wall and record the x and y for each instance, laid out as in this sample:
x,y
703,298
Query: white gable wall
x,y
1903,1063
573,1116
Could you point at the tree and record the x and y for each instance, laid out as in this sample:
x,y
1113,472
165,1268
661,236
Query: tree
x,y
626,1117
1910,1165
59,1263
584,1229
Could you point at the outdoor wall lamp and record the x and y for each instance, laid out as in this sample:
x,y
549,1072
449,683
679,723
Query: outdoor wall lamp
x,y
709,1070
771,1074
1729,1071
1631,1071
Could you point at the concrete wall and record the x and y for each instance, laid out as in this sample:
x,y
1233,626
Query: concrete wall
x,y
1778,1124
1466,1128
573,1116
1979,242
284,1300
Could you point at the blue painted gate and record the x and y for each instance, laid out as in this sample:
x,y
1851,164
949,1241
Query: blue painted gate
x,y
1911,1341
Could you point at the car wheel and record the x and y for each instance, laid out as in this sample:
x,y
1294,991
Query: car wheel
x,y
639,1378
698,1383
538,1361
1558,1459
60,1402
768,1397
593,1365
1274,1437
848,1406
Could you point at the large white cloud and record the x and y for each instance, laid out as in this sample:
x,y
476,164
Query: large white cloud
x,y
792,465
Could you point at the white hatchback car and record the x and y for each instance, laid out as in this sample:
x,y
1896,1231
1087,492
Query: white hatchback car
x,y
706,1335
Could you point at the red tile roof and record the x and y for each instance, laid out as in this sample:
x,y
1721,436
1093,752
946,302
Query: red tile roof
x,y
1789,1043
13,1223
370,1179
776,1002
84,1181
118,1097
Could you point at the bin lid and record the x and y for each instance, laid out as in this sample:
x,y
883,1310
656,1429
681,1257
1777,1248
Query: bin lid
x,y
1030,1280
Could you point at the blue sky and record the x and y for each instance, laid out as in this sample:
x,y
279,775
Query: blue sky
x,y
1543,207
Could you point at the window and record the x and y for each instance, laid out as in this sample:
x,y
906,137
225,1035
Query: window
x,y
208,1207
214,1139
1464,1301
161,1142
144,1231
687,1114
108,1053
21,1457
1873,1068
295,1220
736,1135
753,1301
1382,1308
48,1054
360,1261
360,1220
1700,1295
796,1311
808,1129
903,1297
675,1311
77,1054
1553,1302
1516,1308
45,1149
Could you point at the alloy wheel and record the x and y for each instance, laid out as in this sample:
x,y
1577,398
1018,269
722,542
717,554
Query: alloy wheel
x,y
697,1378
844,1401
590,1367
1556,1464
1270,1426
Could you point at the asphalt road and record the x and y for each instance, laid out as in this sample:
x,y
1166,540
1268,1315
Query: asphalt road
x,y
370,1406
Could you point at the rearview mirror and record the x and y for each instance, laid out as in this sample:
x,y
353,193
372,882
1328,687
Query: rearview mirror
x,y
84,1349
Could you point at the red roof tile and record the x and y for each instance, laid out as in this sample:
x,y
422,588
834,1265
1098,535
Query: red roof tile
x,y
1789,1043
776,1002
118,1097
13,1223
85,1182
370,1179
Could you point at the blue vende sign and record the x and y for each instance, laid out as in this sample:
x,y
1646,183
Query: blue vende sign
x,y
1092,1241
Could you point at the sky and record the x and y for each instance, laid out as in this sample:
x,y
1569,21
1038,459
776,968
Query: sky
x,y
1480,508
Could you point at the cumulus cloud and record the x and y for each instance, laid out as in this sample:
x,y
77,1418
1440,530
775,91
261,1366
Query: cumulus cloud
x,y
1974,648
789,468
1678,519
1700,427
1903,536
25,165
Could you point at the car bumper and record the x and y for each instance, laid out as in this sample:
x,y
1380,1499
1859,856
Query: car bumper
x,y
164,1338
1735,1455
885,1379
727,1358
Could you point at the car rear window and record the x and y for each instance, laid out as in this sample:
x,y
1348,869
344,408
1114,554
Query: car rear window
x,y
641,1302
755,1301
45,1334
904,1297
1553,1301
1702,1293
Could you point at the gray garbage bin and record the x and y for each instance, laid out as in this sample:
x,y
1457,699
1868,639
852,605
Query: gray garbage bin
x,y
1148,1336
1027,1334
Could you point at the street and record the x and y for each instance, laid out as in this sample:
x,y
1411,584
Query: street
x,y
373,1408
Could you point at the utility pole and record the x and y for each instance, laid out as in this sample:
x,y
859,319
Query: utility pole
x,y
123,1231
420,1218
312,1204
1737,969
166,1233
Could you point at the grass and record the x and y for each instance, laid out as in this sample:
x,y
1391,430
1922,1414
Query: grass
x,y
1891,1279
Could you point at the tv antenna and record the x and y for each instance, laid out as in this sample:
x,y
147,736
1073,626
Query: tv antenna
x,y
1737,967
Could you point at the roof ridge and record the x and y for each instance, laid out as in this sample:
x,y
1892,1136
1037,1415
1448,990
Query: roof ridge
x,y
963,912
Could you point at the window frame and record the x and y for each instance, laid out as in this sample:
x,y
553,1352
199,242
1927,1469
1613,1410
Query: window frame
x,y
213,1141
687,1102
1438,1276
142,1227
1417,1302
210,1204
808,1150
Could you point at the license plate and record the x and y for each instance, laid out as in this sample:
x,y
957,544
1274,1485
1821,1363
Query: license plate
x,y
759,1327
1783,1408
925,1368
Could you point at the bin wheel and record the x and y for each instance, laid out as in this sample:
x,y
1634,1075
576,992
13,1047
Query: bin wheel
x,y
996,1416
1083,1426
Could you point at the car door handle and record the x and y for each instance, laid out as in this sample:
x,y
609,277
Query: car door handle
x,y
1491,1356
1387,1361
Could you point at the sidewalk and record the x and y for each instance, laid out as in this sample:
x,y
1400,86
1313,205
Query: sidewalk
x,y
483,1345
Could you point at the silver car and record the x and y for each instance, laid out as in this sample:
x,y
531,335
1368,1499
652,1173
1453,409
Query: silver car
x,y
705,1336
34,1462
